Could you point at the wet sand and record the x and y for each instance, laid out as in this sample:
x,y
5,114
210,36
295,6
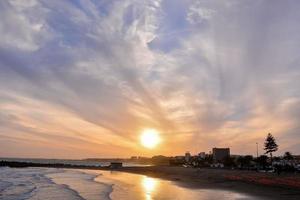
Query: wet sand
x,y
137,187
267,185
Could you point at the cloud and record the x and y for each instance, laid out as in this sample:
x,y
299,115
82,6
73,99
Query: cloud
x,y
204,73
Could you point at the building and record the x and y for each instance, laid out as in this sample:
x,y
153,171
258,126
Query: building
x,y
187,157
115,165
297,158
219,154
177,161
201,155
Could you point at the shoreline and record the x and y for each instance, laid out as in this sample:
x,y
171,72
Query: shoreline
x,y
207,178
265,185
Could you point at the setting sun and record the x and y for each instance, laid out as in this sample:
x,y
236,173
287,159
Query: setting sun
x,y
150,138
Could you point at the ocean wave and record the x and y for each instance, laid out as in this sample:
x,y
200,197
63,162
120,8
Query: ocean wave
x,y
33,184
83,183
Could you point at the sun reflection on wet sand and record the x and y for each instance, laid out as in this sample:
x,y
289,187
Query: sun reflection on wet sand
x,y
129,186
149,185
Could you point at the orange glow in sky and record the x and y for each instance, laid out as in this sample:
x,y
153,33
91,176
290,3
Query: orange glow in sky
x,y
124,78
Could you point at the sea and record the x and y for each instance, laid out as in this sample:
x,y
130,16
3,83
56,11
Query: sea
x,y
84,162
73,184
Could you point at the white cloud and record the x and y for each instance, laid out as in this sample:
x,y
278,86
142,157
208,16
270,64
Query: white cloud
x,y
198,13
20,30
233,72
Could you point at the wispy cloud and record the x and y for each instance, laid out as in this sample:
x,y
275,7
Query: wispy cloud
x,y
205,73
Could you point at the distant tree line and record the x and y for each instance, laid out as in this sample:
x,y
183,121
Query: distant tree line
x,y
247,162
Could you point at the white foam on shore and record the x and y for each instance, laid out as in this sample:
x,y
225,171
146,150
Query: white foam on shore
x,y
72,184
48,184
31,183
83,183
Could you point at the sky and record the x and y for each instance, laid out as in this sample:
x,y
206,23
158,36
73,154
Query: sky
x,y
83,78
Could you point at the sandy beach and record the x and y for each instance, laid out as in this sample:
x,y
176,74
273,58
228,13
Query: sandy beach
x,y
267,185
252,183
34,183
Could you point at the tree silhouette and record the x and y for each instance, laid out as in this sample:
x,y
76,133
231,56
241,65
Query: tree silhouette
x,y
245,161
229,161
288,156
262,161
270,145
